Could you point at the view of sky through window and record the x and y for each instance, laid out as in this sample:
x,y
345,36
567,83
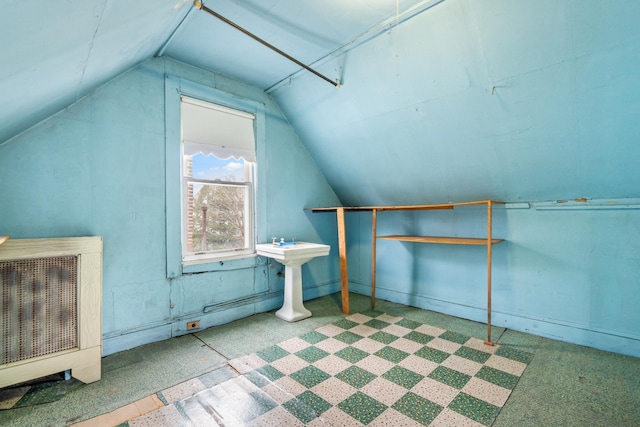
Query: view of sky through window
x,y
213,168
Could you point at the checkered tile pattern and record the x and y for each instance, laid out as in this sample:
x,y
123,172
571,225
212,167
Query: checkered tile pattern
x,y
375,369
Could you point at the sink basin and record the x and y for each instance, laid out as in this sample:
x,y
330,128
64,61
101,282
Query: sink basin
x,y
299,253
292,256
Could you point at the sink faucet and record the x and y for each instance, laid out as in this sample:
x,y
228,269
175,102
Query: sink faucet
x,y
274,241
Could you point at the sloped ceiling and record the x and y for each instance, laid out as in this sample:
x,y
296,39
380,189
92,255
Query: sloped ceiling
x,y
306,30
60,50
440,100
515,101
56,51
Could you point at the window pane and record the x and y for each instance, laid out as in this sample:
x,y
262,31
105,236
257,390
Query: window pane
x,y
213,168
217,217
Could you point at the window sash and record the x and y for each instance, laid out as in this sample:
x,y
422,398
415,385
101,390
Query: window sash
x,y
196,256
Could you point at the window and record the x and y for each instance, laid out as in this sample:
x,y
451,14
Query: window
x,y
218,191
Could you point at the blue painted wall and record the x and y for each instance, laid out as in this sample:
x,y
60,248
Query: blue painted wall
x,y
526,101
99,168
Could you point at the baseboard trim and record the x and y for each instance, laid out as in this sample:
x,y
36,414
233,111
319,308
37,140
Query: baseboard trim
x,y
212,315
574,334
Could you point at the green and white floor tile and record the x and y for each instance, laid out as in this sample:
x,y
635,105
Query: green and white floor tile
x,y
369,368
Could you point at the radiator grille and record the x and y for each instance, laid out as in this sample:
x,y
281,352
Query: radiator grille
x,y
39,307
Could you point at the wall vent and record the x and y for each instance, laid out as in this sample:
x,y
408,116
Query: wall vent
x,y
51,292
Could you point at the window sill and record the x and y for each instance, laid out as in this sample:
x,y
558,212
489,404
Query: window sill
x,y
208,264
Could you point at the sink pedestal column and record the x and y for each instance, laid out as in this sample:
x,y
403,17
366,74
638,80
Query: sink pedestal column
x,y
293,308
292,257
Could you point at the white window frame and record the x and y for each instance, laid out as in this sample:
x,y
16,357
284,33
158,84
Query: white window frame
x,y
248,249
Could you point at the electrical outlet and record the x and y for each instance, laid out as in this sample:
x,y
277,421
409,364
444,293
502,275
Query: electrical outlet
x,y
194,324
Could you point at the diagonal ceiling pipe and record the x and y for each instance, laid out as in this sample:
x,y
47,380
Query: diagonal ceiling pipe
x,y
201,6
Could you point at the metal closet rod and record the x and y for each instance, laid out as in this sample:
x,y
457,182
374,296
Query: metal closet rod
x,y
201,6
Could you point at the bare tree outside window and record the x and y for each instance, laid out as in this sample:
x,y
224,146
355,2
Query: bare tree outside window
x,y
222,223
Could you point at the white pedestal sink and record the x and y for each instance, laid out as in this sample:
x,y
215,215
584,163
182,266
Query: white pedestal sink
x,y
292,257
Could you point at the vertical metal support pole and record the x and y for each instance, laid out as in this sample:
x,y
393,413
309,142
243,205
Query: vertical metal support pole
x,y
342,246
374,232
489,247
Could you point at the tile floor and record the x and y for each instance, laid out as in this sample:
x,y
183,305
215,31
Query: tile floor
x,y
368,369
562,385
375,369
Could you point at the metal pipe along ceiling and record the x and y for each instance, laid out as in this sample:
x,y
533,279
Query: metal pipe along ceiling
x,y
201,6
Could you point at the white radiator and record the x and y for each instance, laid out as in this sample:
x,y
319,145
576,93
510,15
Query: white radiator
x,y
50,308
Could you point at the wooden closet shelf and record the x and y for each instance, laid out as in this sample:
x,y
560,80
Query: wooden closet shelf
x,y
436,206
487,242
441,240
